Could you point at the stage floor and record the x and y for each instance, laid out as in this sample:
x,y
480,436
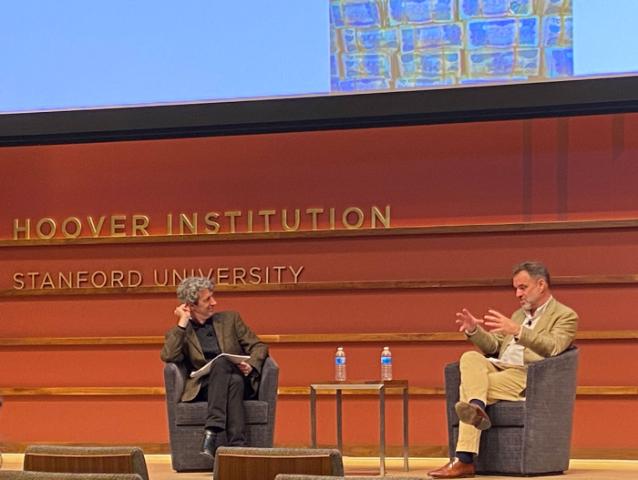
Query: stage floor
x,y
160,468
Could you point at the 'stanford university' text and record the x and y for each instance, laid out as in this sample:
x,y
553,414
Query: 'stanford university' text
x,y
158,277
209,223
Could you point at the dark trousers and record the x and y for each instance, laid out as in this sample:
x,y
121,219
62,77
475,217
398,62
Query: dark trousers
x,y
225,389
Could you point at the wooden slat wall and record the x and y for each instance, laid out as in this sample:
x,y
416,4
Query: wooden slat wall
x,y
468,201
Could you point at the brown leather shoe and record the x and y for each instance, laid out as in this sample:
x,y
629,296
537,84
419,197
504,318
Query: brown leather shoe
x,y
454,469
473,415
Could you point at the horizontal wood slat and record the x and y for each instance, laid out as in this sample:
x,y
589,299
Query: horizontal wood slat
x,y
574,225
370,450
292,391
426,337
492,282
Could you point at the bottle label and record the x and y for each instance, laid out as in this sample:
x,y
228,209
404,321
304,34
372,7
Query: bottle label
x,y
340,360
386,360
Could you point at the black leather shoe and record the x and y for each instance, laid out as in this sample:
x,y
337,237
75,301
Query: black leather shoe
x,y
210,443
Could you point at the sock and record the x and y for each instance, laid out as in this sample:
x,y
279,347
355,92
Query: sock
x,y
480,403
465,457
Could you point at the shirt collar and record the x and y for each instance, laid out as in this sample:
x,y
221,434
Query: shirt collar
x,y
196,325
539,311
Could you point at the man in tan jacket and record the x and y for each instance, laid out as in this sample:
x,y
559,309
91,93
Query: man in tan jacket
x,y
541,328
201,335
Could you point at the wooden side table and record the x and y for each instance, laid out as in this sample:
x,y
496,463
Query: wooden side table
x,y
374,386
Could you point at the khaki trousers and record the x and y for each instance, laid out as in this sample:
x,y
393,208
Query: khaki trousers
x,y
481,380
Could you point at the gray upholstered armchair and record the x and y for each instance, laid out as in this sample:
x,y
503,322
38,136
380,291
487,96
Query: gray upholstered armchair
x,y
530,437
186,419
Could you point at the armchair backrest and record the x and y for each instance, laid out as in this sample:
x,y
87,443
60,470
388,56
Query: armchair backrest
x,y
249,463
85,459
22,475
549,399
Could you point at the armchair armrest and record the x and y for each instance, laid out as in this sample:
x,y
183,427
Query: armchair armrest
x,y
174,379
269,381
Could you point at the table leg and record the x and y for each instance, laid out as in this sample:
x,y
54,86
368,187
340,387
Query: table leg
x,y
382,430
313,417
406,466
339,422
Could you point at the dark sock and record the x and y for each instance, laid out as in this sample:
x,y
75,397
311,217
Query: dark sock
x,y
465,457
478,402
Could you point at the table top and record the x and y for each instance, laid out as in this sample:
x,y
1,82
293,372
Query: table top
x,y
360,385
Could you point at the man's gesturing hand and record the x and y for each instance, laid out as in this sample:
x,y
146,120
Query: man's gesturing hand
x,y
466,321
496,322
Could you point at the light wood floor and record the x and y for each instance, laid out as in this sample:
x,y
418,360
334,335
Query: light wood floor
x,y
160,468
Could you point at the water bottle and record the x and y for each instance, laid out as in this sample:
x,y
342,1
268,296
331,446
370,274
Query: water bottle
x,y
340,365
386,364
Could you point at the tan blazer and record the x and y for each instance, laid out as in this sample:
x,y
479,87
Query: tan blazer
x,y
552,335
233,336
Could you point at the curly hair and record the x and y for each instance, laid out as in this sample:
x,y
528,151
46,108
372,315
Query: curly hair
x,y
189,288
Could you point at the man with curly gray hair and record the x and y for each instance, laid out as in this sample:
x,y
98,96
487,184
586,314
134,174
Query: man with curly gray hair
x,y
201,335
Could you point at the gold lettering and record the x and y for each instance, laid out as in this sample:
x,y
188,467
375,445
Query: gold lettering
x,y
94,281
18,281
279,269
239,274
80,278
156,280
68,281
26,229
222,274
331,217
255,274
359,214
169,224
52,227
191,223
212,225
209,275
266,214
377,215
33,276
284,220
96,229
134,278
118,225
296,274
232,215
47,281
250,221
140,225
177,278
116,278
314,212
76,231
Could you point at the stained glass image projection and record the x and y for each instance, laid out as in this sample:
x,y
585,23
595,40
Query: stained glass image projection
x,y
397,44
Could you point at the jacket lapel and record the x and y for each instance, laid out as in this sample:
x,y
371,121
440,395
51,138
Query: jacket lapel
x,y
191,338
546,316
219,333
